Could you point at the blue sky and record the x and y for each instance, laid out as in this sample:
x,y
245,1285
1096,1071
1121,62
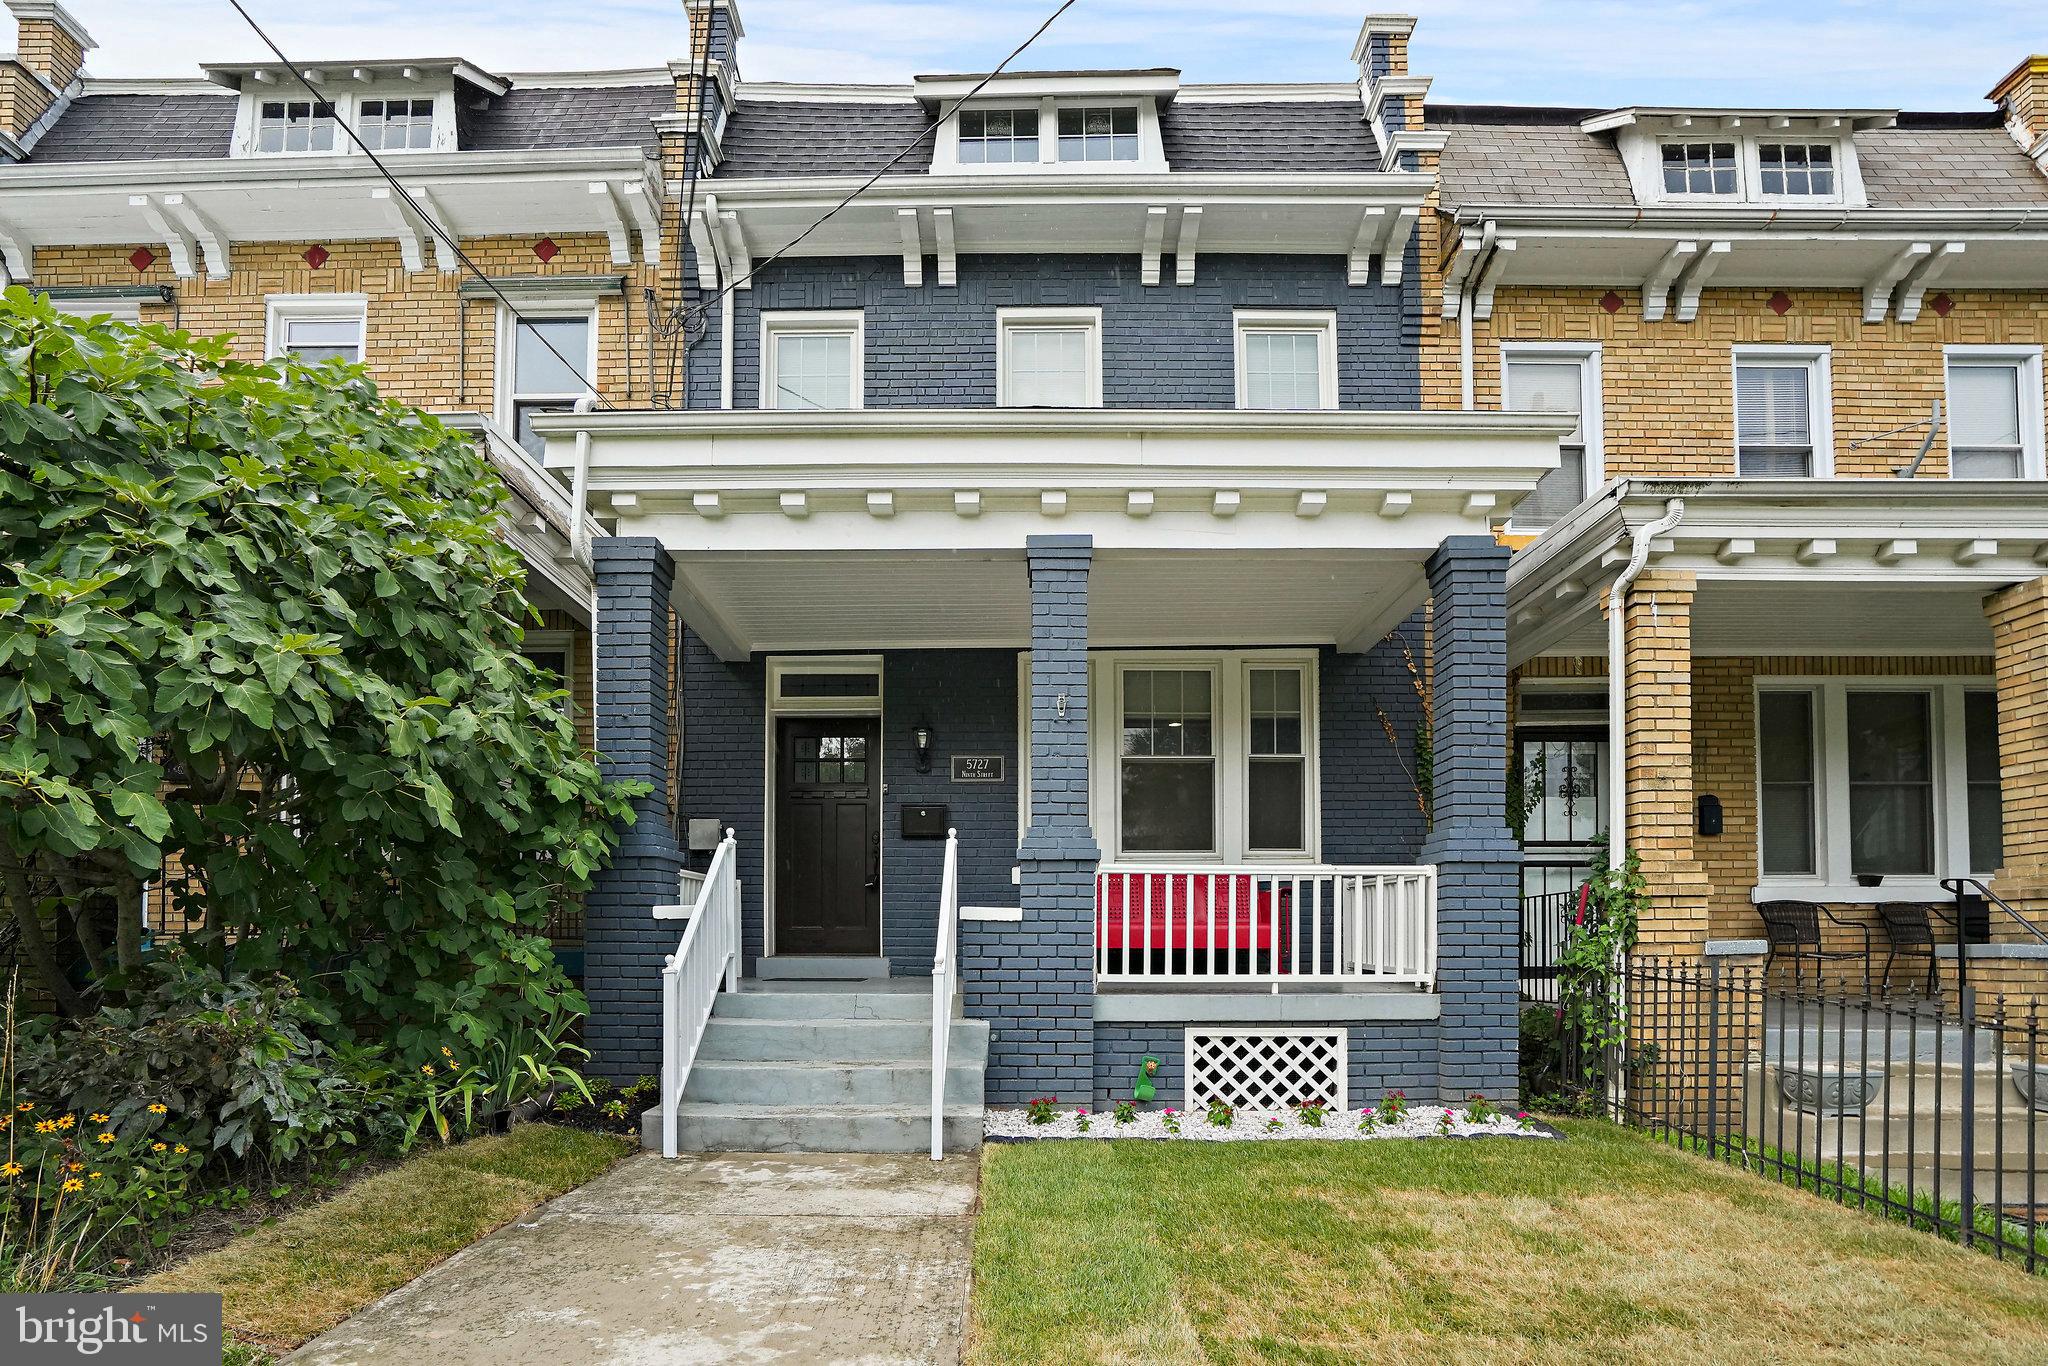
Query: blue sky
x,y
1843,53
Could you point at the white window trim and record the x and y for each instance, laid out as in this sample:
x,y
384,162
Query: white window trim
x,y
537,310
1231,671
1151,146
1834,882
1642,153
1592,386
2027,359
249,116
1322,323
1820,388
278,309
1024,319
807,322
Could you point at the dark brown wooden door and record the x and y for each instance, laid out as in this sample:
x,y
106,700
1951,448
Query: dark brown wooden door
x,y
828,858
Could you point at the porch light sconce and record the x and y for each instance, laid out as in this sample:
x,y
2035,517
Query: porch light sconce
x,y
1710,815
921,740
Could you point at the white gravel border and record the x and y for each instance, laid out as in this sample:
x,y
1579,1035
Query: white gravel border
x,y
1421,1121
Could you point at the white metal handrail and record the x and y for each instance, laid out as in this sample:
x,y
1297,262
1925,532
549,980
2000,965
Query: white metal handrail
x,y
945,977
1268,925
707,959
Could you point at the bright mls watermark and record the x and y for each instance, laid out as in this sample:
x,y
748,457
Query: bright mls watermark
x,y
162,1330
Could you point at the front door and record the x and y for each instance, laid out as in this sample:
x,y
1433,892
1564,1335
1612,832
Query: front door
x,y
828,823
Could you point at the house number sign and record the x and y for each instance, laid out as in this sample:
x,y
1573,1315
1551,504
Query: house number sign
x,y
977,768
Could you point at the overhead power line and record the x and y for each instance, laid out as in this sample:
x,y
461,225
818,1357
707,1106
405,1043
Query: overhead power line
x,y
419,213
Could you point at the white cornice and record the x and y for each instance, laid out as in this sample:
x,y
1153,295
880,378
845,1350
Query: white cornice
x,y
1449,423
589,80
1706,120
152,85
1320,92
235,74
1757,218
804,92
272,173
1168,186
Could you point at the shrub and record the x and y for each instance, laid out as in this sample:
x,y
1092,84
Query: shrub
x,y
258,620
1220,1115
1040,1110
1125,1112
1311,1112
1478,1109
235,1058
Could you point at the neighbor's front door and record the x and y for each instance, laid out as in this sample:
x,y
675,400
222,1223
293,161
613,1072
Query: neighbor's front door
x,y
828,858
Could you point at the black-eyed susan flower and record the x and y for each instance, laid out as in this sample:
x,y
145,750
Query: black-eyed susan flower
x,y
427,1068
26,1106
159,1109
46,1126
95,1176
157,1147
74,1184
446,1051
97,1119
10,1170
106,1138
181,1150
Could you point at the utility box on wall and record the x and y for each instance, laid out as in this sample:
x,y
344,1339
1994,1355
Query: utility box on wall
x,y
924,822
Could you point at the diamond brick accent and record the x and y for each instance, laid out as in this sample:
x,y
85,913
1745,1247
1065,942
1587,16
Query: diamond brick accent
x,y
315,256
142,258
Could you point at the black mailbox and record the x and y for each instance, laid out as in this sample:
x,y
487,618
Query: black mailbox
x,y
1710,815
924,822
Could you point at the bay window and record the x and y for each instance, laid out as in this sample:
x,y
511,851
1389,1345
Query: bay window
x,y
1873,781
1207,757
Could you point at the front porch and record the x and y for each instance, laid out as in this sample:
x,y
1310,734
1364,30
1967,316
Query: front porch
x,y
1830,712
1164,678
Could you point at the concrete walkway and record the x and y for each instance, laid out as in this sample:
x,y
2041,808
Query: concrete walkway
x,y
726,1257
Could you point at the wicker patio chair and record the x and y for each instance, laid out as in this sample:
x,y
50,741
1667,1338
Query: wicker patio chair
x,y
1793,927
1909,925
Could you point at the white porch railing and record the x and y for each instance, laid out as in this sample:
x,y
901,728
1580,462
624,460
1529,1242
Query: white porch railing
x,y
945,981
1310,925
707,959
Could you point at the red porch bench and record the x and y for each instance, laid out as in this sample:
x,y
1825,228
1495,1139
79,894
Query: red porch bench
x,y
1173,911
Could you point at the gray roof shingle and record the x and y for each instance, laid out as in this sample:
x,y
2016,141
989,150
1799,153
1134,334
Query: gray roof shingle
x,y
1275,135
139,128
791,137
596,116
1533,157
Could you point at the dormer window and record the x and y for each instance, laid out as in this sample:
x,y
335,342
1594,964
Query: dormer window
x,y
1796,168
1699,168
998,136
1099,134
395,125
295,126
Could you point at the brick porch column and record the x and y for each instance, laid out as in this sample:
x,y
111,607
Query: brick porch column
x,y
1477,862
1047,1046
623,943
2019,643
1657,632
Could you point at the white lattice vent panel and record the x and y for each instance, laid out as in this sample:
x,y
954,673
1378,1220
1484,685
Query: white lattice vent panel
x,y
1265,1069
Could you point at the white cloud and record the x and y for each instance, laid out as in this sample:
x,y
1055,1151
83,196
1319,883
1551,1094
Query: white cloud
x,y
1592,52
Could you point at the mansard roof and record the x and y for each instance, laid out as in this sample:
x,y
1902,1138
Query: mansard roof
x,y
1506,156
156,126
854,136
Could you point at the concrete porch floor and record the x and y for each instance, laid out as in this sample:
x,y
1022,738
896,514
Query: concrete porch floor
x,y
809,1257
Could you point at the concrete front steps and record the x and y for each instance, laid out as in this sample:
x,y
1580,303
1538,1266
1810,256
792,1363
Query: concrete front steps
x,y
811,1064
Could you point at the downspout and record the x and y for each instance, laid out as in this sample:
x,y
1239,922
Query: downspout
x,y
579,491
1617,681
725,351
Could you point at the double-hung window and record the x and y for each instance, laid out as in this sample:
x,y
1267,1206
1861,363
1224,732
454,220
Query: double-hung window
x,y
1699,168
1994,412
1782,426
395,125
1796,168
1287,360
1209,756
1542,377
1876,779
550,357
295,126
1049,358
811,361
1100,134
998,137
316,327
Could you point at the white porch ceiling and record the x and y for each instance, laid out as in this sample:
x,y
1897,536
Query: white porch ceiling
x,y
834,601
1735,617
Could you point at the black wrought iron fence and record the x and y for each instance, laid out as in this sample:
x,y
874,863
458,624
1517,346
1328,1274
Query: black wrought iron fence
x,y
1934,1117
1545,919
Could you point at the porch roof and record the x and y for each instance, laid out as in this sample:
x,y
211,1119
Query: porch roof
x,y
1785,567
899,528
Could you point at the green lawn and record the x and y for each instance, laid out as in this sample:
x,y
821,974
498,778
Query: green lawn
x,y
1606,1247
291,1280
